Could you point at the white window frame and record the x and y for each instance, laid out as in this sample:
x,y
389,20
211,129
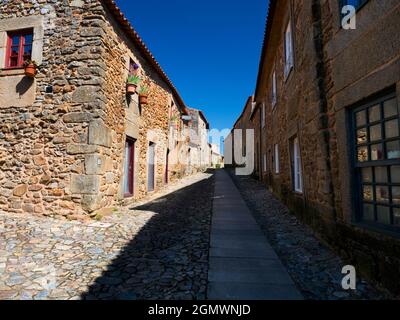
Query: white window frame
x,y
274,89
288,49
276,158
298,175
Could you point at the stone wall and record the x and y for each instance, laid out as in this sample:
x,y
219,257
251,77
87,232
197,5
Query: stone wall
x,y
63,154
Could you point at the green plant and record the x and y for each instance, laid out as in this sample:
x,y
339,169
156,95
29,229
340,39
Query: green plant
x,y
143,90
132,79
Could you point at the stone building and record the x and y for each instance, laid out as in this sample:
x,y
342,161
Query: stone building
x,y
71,140
328,125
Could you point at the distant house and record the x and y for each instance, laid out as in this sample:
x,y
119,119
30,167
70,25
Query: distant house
x,y
72,140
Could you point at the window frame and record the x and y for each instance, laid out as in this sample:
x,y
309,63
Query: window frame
x,y
357,167
22,33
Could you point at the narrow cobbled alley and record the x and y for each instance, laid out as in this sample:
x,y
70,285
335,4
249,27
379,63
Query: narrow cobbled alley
x,y
315,268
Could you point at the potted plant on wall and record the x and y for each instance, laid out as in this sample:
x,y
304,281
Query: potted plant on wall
x,y
143,94
31,68
132,84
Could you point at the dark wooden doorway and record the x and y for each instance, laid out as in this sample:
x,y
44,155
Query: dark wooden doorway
x,y
129,165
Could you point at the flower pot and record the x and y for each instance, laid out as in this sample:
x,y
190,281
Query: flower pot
x,y
30,70
143,99
131,88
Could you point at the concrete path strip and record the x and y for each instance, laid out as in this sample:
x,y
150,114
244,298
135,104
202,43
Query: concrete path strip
x,y
243,265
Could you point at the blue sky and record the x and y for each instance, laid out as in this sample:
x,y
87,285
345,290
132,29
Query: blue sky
x,y
210,49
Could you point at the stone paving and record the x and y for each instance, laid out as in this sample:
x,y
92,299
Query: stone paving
x,y
315,269
158,250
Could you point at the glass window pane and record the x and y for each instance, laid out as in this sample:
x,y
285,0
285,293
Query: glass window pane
x,y
375,113
393,149
362,136
383,214
28,38
366,174
396,195
392,128
390,108
382,194
395,174
362,154
368,213
375,133
361,118
396,215
368,194
377,152
381,175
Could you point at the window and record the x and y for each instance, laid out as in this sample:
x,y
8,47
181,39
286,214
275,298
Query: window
x,y
263,115
132,67
288,50
296,166
19,48
377,161
274,96
276,158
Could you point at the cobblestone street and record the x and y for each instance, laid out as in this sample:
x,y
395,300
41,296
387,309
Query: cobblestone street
x,y
156,250
315,269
